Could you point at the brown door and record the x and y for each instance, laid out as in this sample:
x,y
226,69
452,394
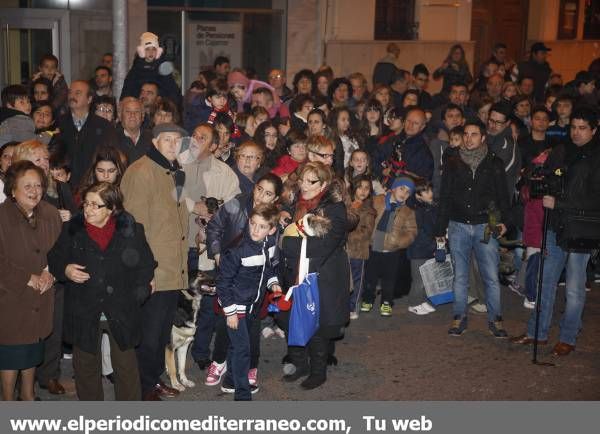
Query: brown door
x,y
499,21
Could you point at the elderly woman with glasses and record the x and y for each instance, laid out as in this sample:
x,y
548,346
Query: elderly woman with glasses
x,y
26,285
248,159
104,259
320,194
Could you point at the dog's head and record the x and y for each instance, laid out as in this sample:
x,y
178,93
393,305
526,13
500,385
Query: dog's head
x,y
201,283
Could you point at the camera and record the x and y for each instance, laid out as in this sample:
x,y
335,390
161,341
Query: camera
x,y
546,182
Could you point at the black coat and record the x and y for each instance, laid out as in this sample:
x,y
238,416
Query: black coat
x,y
143,72
80,146
582,180
327,257
465,198
132,151
119,282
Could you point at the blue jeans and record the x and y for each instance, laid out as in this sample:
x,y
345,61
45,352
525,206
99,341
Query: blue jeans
x,y
238,359
554,263
518,254
206,318
531,276
465,239
357,268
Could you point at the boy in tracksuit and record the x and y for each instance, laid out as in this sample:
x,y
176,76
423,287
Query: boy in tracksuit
x,y
245,272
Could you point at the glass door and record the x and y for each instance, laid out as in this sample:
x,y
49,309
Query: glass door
x,y
25,36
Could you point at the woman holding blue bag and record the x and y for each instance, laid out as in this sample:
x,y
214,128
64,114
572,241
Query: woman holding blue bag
x,y
320,195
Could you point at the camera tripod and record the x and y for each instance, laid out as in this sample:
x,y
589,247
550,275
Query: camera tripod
x,y
538,299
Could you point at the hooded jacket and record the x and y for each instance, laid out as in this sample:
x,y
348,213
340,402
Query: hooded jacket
x,y
143,72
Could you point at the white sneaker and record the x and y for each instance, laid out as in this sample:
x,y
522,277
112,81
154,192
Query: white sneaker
x,y
267,332
471,299
420,309
278,332
215,373
479,307
428,306
528,304
353,315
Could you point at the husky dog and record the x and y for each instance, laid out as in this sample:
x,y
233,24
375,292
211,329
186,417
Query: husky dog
x,y
184,329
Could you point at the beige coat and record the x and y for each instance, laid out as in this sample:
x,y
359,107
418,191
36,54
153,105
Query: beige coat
x,y
150,196
404,231
25,315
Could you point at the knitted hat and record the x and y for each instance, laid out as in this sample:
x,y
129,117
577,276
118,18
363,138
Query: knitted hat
x,y
404,181
237,77
148,39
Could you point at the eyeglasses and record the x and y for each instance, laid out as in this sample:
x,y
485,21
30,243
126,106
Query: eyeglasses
x,y
274,76
496,122
249,157
93,205
104,109
324,156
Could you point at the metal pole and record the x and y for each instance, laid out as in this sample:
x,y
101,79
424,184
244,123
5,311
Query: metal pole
x,y
120,60
538,300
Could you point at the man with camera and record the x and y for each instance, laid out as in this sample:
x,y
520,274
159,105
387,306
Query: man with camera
x,y
473,184
573,229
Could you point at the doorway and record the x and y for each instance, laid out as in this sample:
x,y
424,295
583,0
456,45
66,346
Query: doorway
x,y
493,22
25,36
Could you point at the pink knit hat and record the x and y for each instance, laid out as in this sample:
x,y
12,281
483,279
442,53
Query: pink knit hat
x,y
236,77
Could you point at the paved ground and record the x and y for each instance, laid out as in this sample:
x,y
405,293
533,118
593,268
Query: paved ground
x,y
406,357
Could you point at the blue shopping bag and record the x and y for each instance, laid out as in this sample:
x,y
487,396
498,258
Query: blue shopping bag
x,y
304,317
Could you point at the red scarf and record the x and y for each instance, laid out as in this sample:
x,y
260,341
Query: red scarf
x,y
211,120
306,205
102,236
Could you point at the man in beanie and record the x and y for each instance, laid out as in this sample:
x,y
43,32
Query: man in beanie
x,y
153,193
395,229
473,181
149,66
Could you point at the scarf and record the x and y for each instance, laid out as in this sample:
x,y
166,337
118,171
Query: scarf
x,y
473,157
178,173
305,205
102,236
388,213
211,120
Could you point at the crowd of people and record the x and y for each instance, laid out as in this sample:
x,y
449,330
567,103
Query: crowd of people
x,y
111,208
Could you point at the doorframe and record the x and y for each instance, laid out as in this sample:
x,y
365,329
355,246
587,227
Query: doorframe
x,y
56,20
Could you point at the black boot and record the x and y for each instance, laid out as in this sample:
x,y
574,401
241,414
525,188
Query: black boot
x,y
331,359
318,351
298,358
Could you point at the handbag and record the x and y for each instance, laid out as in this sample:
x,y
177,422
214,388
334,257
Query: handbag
x,y
304,315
